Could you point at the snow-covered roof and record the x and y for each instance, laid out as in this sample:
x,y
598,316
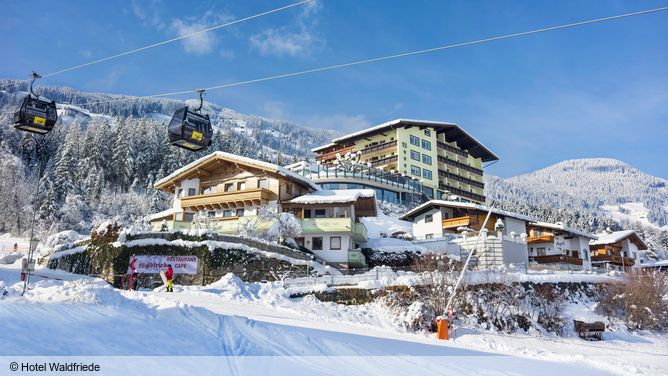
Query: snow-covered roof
x,y
334,196
561,227
160,215
615,236
452,131
463,205
239,160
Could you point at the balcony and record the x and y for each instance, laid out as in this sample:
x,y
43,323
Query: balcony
x,y
384,161
540,239
553,259
331,155
379,147
357,231
461,179
460,165
458,222
452,149
613,259
224,200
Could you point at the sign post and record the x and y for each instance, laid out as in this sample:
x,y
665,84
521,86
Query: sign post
x,y
450,313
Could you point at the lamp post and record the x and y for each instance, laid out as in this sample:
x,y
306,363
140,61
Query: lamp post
x,y
33,242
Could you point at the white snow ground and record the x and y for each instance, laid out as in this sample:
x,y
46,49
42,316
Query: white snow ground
x,y
237,328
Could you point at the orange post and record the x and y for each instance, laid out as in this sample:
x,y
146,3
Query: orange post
x,y
442,328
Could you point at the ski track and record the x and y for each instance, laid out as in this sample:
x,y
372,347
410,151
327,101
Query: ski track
x,y
85,316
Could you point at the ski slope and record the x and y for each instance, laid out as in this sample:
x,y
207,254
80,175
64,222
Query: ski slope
x,y
238,328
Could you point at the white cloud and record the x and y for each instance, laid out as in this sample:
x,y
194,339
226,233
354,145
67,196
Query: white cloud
x,y
274,110
199,44
203,43
148,12
298,40
282,42
85,53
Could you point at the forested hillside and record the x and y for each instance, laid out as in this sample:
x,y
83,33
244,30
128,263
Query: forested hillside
x,y
100,163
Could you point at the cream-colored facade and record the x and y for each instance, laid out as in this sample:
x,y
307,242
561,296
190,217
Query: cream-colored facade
x,y
441,156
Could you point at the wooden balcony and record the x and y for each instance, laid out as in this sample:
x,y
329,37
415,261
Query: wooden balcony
x,y
540,239
331,155
552,259
617,260
458,222
225,200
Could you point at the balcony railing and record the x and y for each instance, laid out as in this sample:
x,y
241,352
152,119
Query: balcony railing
x,y
461,192
331,155
384,161
460,165
458,222
452,149
378,147
617,260
552,259
345,225
540,239
462,179
224,200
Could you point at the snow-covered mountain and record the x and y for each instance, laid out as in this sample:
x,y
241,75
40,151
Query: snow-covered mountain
x,y
274,135
598,185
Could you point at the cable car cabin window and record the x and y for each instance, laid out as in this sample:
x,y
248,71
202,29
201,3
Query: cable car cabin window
x,y
36,115
190,130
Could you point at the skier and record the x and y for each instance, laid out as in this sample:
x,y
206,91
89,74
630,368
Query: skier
x,y
169,274
134,276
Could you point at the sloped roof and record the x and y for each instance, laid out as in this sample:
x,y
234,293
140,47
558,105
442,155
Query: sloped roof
x,y
333,197
615,236
250,162
561,227
453,132
462,205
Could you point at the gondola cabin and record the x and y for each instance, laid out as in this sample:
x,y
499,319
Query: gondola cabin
x,y
190,130
36,115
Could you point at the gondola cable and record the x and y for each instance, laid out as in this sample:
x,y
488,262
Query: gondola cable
x,y
216,27
395,56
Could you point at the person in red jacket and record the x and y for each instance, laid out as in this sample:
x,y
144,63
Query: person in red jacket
x,y
169,274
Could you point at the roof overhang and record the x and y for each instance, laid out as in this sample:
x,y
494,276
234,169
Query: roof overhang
x,y
452,132
199,167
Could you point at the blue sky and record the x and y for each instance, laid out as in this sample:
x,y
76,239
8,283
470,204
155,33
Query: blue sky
x,y
594,91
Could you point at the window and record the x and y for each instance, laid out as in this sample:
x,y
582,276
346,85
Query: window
x,y
212,214
191,191
307,213
179,193
415,141
228,213
427,132
319,213
240,212
188,217
426,174
335,243
426,159
426,145
263,183
288,189
415,155
317,243
429,218
415,170
429,236
241,185
229,187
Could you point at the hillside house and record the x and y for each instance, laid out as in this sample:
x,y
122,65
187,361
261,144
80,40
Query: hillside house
x,y
222,191
554,243
619,250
